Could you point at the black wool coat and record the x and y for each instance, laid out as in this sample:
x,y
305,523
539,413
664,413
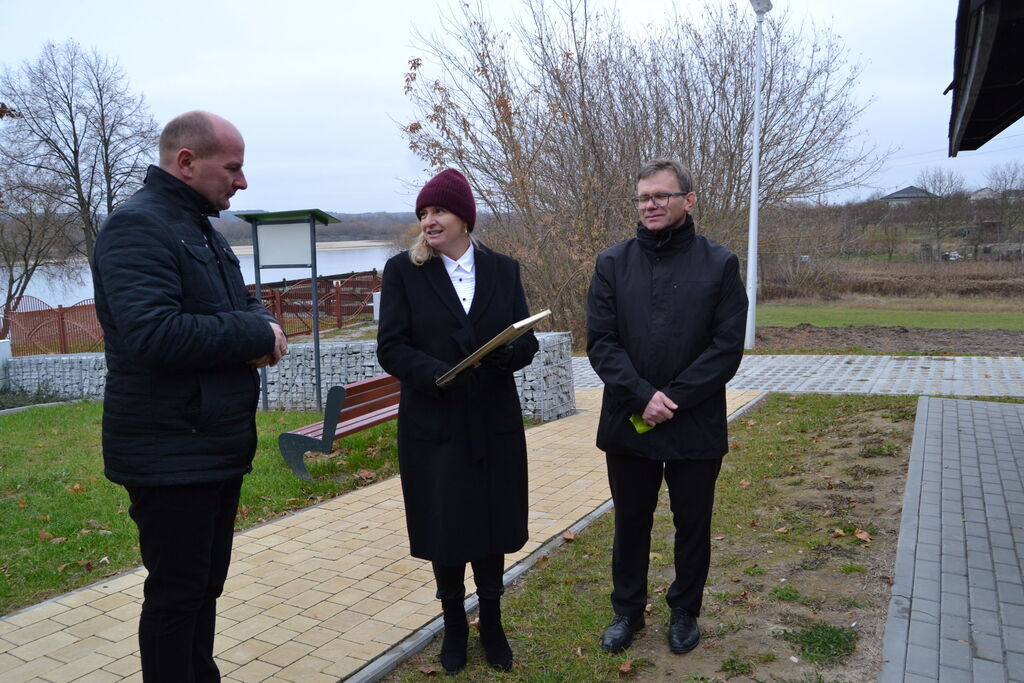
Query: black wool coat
x,y
178,325
666,311
461,450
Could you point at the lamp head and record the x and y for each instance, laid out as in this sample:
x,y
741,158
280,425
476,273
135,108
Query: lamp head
x,y
761,6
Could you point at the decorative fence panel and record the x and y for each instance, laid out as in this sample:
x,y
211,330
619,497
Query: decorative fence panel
x,y
36,327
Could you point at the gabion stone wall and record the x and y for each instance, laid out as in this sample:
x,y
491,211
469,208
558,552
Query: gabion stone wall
x,y
545,386
73,375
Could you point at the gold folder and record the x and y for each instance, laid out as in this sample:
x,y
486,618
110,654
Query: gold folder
x,y
506,336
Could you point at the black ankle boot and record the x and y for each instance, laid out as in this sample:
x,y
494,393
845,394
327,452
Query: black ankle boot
x,y
456,636
492,636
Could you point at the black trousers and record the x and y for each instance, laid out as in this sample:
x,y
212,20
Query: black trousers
x,y
635,483
185,535
487,573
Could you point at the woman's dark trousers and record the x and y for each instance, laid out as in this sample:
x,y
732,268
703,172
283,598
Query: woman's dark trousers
x,y
185,535
635,483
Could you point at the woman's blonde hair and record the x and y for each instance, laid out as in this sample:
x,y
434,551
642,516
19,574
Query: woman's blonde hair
x,y
420,252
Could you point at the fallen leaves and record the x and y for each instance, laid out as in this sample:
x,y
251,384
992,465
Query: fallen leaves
x,y
568,536
744,484
22,504
862,535
45,535
541,562
428,670
626,668
782,530
366,476
77,487
837,533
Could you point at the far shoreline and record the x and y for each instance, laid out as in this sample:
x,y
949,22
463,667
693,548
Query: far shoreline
x,y
246,249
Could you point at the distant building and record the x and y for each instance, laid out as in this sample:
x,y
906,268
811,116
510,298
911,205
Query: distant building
x,y
983,194
907,195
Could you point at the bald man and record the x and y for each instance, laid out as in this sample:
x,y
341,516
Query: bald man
x,y
183,340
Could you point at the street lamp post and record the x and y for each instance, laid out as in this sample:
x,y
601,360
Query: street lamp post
x,y
761,7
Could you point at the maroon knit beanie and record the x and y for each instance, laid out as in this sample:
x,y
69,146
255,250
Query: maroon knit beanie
x,y
449,189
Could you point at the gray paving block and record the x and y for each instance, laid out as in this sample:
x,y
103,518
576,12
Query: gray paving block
x,y
926,589
1015,666
925,611
1010,592
923,633
987,646
927,569
1013,639
984,621
922,661
954,603
954,565
955,654
988,671
1009,573
983,598
1013,615
981,578
955,627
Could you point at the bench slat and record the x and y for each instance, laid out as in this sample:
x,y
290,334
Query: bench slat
x,y
367,403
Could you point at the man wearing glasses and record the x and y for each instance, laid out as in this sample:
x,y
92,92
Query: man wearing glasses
x,y
666,314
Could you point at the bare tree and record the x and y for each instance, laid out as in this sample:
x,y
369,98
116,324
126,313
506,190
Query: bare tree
x,y
947,209
1008,180
551,119
34,230
78,123
5,112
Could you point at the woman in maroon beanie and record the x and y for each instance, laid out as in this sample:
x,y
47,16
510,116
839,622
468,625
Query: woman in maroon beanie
x,y
461,448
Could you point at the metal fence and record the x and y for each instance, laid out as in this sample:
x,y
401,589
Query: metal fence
x,y
36,327
341,300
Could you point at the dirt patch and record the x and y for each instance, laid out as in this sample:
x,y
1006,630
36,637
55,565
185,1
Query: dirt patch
x,y
823,558
892,340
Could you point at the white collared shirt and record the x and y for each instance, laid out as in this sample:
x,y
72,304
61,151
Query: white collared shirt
x,y
463,275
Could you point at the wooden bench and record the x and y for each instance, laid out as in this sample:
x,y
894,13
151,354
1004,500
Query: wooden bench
x,y
349,409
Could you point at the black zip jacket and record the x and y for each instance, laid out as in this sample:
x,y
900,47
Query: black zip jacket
x,y
666,311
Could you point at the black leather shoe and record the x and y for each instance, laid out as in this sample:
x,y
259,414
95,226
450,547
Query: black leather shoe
x,y
683,632
619,633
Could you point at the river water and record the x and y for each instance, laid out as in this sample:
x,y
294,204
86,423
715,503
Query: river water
x,y
329,262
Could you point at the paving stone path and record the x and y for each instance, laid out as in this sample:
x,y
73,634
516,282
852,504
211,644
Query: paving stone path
x,y
957,607
330,592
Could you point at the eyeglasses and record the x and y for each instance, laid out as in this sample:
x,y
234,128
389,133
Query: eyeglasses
x,y
660,200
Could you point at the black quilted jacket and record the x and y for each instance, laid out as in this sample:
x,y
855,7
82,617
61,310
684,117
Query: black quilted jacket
x,y
178,327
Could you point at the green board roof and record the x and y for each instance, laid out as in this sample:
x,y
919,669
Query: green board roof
x,y
294,215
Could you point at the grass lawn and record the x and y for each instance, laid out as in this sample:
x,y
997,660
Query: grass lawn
x,y
804,536
65,525
928,314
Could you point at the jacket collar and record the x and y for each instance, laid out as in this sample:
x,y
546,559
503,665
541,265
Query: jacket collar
x,y
159,180
667,240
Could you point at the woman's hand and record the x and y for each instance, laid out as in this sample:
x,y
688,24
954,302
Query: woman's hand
x,y
499,357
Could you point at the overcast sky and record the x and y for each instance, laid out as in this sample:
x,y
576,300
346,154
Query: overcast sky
x,y
316,86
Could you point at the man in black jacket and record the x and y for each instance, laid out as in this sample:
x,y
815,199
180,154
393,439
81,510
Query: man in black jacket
x,y
666,314
183,339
